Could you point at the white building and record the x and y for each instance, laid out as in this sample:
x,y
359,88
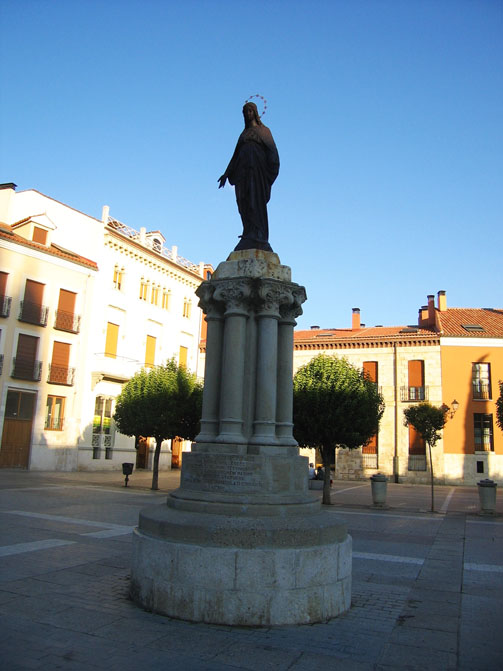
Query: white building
x,y
81,324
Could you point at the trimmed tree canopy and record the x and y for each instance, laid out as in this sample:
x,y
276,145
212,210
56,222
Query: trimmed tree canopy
x,y
164,402
427,419
334,404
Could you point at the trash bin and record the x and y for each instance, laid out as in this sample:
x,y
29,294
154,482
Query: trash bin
x,y
487,496
127,469
379,485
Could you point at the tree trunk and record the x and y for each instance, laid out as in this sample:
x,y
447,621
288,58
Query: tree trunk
x,y
155,467
326,454
432,490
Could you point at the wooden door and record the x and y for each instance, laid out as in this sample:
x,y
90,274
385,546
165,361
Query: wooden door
x,y
176,456
17,426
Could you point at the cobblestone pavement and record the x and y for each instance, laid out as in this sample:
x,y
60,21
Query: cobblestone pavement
x,y
427,588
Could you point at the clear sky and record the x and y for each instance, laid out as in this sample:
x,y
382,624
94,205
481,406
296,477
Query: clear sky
x,y
387,114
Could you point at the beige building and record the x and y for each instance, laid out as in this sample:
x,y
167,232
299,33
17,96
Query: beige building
x,y
454,356
82,324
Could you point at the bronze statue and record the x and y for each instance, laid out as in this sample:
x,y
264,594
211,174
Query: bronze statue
x,y
252,170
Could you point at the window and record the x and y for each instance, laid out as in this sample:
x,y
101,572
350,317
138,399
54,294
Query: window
x,y
187,308
5,301
483,432
182,357
165,299
150,352
111,340
103,435
54,413
415,390
39,235
143,289
59,371
481,380
26,366
154,299
32,310
417,451
66,319
118,277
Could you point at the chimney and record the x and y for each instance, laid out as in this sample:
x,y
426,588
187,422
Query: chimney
x,y
423,316
355,321
104,214
6,200
441,301
315,327
431,310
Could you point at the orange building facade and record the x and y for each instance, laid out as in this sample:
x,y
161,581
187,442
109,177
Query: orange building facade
x,y
454,356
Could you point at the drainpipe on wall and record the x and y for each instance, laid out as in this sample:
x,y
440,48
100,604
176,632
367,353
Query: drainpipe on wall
x,y
396,469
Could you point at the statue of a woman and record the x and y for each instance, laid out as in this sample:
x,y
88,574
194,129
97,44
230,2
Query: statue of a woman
x,y
252,170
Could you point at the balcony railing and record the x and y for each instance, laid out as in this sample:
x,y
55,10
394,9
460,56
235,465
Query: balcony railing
x,y
5,303
481,390
61,375
26,369
417,462
414,393
67,321
369,460
33,313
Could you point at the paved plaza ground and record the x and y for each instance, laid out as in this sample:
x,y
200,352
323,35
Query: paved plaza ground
x,y
427,588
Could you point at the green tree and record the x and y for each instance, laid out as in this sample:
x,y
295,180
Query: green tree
x,y
164,402
499,407
334,404
428,420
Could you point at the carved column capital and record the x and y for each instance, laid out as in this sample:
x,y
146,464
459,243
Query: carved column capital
x,y
291,308
213,309
234,294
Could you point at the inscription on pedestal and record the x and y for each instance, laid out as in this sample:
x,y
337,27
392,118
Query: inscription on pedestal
x,y
220,473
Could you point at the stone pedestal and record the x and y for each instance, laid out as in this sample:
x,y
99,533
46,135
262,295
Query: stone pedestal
x,y
243,541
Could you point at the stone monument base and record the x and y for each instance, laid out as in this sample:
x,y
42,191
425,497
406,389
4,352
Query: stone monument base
x,y
258,571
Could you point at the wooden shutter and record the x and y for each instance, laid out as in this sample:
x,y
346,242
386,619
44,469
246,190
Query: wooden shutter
x,y
60,354
416,373
27,348
34,292
370,370
3,283
416,443
39,235
66,301
150,352
182,359
111,340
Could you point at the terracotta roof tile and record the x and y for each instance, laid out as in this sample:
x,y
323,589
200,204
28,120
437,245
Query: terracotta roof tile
x,y
453,322
373,332
6,233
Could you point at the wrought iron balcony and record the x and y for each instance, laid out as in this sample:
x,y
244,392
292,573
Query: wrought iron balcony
x,y
26,369
414,394
5,303
67,321
61,375
481,390
33,313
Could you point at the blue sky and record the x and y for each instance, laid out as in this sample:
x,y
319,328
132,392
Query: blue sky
x,y
387,114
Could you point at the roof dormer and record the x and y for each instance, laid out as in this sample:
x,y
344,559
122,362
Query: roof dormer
x,y
37,228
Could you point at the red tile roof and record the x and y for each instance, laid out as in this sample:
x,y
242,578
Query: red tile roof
x,y
453,322
6,233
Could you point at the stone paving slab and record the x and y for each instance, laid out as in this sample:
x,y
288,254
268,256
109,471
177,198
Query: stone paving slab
x,y
427,589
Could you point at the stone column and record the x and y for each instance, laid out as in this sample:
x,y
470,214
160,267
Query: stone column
x,y
267,315
284,409
235,295
213,362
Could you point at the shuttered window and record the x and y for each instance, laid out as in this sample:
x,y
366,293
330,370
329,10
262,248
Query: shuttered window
x,y
182,359
39,235
3,283
150,352
370,370
34,292
416,373
111,340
